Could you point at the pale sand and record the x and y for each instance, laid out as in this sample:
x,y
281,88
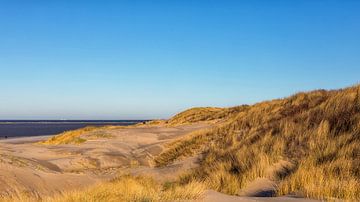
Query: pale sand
x,y
213,196
45,170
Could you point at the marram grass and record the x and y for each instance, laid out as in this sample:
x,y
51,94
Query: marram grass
x,y
125,188
318,133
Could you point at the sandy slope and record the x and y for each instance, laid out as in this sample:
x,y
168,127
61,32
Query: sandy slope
x,y
43,170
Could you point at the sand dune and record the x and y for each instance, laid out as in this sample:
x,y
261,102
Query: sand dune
x,y
48,169
306,145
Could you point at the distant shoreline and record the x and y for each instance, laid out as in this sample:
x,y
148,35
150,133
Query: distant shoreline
x,y
24,139
69,121
10,129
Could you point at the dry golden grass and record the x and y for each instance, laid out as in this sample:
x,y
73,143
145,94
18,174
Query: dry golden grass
x,y
69,137
99,134
125,189
199,114
183,147
81,135
316,132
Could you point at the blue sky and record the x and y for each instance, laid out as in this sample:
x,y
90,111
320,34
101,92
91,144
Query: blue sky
x,y
151,59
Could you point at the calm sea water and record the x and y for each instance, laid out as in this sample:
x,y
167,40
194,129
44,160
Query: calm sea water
x,y
10,128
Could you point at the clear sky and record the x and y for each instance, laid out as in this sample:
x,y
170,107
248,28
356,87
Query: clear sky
x,y
151,59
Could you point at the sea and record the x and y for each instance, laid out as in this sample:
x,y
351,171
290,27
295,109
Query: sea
x,y
28,128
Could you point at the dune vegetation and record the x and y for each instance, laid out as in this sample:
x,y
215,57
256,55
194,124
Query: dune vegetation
x,y
196,115
69,137
80,135
313,139
307,144
130,188
201,114
125,188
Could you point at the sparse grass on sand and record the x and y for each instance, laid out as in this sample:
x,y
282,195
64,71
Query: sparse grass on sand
x,y
126,189
318,133
69,137
200,114
80,135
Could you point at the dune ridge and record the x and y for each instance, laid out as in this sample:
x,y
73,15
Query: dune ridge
x,y
317,133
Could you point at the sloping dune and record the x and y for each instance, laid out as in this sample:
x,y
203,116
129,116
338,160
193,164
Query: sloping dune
x,y
37,169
